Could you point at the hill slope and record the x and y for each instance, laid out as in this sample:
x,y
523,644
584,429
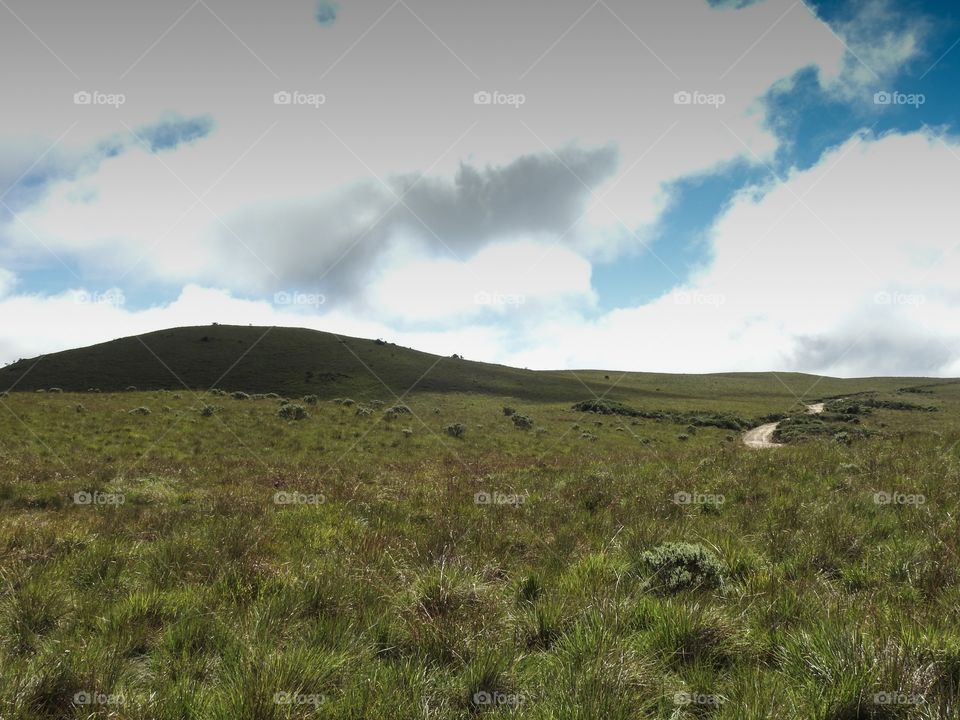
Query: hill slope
x,y
284,360
295,362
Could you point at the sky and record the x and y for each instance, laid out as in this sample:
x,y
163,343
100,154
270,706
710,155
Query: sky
x,y
669,186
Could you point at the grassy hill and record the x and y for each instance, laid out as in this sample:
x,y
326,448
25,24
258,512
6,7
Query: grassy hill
x,y
294,362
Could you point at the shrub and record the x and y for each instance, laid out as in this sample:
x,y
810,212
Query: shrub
x,y
400,410
683,437
217,392
457,430
131,388
292,412
364,412
508,411
348,402
679,566
522,422
377,404
55,390
140,411
240,396
407,432
80,408
311,399
208,410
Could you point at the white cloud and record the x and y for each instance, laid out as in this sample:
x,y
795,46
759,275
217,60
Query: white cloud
x,y
847,268
265,164
503,279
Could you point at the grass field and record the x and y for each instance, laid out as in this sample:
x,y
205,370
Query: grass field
x,y
177,553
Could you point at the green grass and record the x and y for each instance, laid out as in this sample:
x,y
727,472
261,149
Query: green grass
x,y
377,586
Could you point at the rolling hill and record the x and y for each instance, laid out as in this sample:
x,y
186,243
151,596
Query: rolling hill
x,y
293,362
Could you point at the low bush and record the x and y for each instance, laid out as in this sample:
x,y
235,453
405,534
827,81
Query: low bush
x,y
682,566
240,396
457,430
292,412
522,422
140,411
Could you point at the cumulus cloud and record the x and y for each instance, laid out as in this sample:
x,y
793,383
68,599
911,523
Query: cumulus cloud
x,y
847,268
297,209
337,242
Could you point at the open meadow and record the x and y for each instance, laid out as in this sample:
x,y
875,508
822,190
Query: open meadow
x,y
172,553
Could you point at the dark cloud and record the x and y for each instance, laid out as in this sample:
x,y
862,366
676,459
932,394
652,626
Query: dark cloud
x,y
331,244
887,351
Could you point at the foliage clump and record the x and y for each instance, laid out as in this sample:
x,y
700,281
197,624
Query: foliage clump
x,y
140,411
292,411
240,396
683,566
311,399
457,430
522,422
508,411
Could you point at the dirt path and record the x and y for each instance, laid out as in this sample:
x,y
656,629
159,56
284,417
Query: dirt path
x,y
762,437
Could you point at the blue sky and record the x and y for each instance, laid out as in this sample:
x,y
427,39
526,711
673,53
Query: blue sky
x,y
809,120
392,165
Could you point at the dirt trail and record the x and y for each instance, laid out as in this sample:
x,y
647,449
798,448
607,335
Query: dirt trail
x,y
762,437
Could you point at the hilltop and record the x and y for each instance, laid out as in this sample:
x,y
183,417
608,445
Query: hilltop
x,y
293,361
